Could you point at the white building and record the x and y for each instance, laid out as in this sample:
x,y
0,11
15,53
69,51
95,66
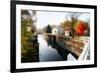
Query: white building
x,y
67,32
57,30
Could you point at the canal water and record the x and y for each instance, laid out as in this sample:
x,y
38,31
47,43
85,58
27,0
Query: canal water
x,y
48,53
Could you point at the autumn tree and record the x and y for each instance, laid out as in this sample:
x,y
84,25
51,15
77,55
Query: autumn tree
x,y
28,50
82,28
65,24
73,18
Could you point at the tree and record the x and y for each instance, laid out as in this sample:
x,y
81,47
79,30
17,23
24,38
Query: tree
x,y
28,49
66,24
82,28
48,30
74,18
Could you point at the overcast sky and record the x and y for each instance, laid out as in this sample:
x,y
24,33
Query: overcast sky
x,y
44,18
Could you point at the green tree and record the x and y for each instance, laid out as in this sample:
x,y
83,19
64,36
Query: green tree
x,y
48,30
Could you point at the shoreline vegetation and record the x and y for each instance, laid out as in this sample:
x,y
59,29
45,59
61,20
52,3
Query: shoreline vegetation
x,y
29,44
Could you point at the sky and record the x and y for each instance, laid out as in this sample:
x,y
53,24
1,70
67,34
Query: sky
x,y
55,18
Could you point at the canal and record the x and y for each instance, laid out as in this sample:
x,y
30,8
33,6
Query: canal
x,y
48,53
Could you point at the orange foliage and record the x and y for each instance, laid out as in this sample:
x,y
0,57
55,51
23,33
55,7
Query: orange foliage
x,y
80,28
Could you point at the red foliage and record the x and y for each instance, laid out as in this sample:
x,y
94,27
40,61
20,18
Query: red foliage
x,y
80,29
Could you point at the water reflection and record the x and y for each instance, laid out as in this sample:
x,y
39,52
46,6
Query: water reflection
x,y
50,51
62,52
46,52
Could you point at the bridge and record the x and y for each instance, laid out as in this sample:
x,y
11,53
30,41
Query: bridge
x,y
77,48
